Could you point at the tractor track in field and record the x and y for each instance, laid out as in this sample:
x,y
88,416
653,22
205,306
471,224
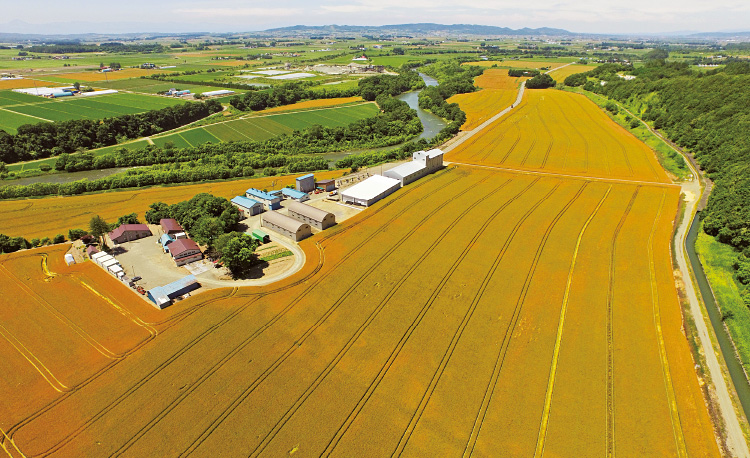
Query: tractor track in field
x,y
415,323
490,390
416,416
14,429
376,311
609,439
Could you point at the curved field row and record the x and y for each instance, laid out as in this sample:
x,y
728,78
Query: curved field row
x,y
50,216
498,91
428,326
562,133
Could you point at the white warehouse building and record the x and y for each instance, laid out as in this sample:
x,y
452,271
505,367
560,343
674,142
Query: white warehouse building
x,y
370,191
423,163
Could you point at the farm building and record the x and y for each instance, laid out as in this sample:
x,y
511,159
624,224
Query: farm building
x,y
293,194
216,93
185,251
96,256
91,250
306,183
313,216
269,201
165,240
370,191
422,164
432,159
326,185
129,232
163,296
170,226
260,236
247,207
285,225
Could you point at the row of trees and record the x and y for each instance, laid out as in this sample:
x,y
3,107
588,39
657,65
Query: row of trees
x,y
67,48
37,141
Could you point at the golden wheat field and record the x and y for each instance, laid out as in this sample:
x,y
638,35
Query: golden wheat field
x,y
534,64
497,92
471,312
56,215
21,83
310,104
561,132
561,73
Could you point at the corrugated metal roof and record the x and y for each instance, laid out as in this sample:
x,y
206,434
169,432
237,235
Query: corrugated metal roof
x,y
307,210
407,169
162,294
260,194
245,202
166,239
170,224
127,227
283,221
305,176
293,193
371,187
180,246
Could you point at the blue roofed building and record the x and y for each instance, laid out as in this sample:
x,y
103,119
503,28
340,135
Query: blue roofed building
x,y
269,201
165,240
248,207
163,296
306,183
293,194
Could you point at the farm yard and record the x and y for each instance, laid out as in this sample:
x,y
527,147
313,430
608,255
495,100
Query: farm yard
x,y
47,217
17,109
268,126
431,274
571,136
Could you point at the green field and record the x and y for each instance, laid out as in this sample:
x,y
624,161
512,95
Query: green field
x,y
17,109
717,259
264,127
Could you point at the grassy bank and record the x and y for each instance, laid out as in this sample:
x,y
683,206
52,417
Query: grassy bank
x,y
717,259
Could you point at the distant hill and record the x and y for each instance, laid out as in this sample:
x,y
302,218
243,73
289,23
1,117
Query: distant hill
x,y
417,30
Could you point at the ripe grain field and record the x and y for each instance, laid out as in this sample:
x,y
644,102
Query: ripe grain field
x,y
427,323
498,90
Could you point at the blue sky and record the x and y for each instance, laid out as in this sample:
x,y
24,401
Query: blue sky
x,y
595,16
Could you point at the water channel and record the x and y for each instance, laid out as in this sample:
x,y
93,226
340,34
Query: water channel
x,y
431,124
727,349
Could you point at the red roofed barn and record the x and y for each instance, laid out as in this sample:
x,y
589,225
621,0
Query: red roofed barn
x,y
129,232
185,251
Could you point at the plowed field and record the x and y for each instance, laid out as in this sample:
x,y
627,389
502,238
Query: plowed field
x,y
498,91
473,312
55,215
560,132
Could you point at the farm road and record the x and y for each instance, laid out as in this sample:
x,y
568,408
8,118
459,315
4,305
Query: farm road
x,y
691,188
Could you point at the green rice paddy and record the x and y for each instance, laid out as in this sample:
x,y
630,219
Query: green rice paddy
x,y
17,109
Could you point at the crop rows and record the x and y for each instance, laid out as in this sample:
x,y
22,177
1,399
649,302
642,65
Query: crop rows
x,y
560,132
430,323
498,91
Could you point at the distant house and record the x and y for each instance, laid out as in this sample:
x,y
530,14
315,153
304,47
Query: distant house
x,y
293,194
248,207
129,232
326,185
185,251
306,183
269,201
170,226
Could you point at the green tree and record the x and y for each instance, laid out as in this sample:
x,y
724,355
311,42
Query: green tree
x,y
98,227
238,253
130,218
542,81
156,212
206,230
77,86
59,238
579,79
73,234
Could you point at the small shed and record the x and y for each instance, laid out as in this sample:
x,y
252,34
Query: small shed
x,y
170,226
315,217
116,270
260,236
112,262
326,185
69,259
286,226
293,194
165,240
306,183
95,257
246,206
91,250
103,259
163,296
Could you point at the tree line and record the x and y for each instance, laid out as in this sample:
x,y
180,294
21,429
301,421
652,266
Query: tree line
x,y
38,141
